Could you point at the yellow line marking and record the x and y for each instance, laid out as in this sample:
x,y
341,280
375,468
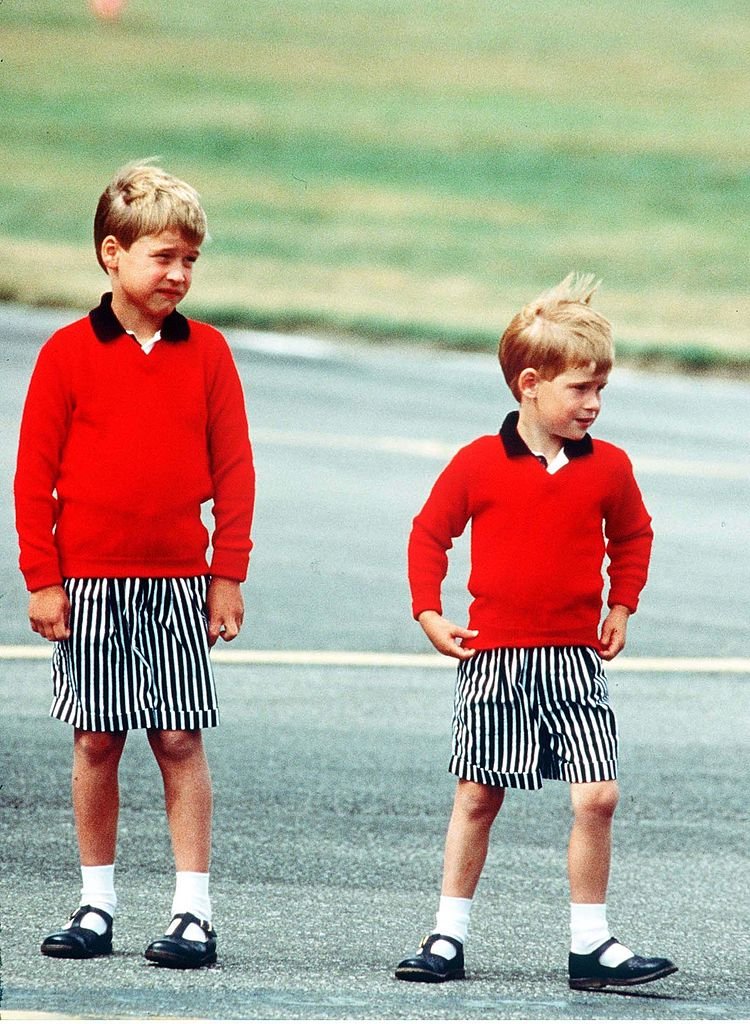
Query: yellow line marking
x,y
385,659
431,449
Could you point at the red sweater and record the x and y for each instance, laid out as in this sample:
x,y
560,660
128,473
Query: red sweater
x,y
538,540
118,449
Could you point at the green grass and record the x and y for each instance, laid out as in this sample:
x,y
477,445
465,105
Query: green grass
x,y
404,170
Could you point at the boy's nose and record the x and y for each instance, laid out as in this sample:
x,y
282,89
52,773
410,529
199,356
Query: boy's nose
x,y
177,272
594,403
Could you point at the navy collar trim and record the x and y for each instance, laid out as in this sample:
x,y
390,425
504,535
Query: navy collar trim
x,y
515,446
107,327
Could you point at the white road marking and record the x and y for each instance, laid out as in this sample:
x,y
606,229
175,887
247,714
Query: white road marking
x,y
430,449
385,659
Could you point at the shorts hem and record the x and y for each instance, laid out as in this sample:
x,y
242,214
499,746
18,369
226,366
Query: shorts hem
x,y
603,772
177,721
487,777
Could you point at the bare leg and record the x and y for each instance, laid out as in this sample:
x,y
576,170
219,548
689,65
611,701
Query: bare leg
x,y
96,795
187,794
589,856
590,848
475,808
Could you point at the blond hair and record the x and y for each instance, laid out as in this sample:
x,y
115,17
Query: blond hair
x,y
556,332
144,200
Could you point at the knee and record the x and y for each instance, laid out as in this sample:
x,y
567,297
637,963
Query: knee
x,y
595,800
98,748
479,804
175,746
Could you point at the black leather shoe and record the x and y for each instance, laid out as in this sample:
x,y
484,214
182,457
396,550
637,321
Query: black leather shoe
x,y
175,951
431,967
586,972
77,943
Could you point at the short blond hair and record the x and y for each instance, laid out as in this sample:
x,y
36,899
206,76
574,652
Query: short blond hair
x,y
143,200
556,332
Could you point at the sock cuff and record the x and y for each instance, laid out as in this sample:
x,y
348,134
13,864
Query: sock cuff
x,y
588,915
453,917
191,894
98,887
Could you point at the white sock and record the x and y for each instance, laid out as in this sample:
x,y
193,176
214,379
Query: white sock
x,y
191,897
589,929
98,890
452,919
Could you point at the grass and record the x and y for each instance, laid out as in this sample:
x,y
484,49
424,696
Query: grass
x,y
370,167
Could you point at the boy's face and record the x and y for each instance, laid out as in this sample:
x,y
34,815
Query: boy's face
x,y
151,277
567,405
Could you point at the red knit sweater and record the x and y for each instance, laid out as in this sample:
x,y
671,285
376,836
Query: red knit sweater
x,y
118,449
538,540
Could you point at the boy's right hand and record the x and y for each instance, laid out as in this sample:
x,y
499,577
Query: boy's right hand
x,y
443,635
49,613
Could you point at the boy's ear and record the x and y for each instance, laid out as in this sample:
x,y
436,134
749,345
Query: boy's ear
x,y
110,249
528,382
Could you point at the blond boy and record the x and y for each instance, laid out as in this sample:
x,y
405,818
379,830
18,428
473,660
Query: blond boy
x,y
546,503
134,417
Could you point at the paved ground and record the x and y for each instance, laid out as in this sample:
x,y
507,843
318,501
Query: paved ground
x,y
331,806
332,795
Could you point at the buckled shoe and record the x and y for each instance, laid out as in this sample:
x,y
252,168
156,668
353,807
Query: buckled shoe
x,y
174,950
76,943
431,967
586,972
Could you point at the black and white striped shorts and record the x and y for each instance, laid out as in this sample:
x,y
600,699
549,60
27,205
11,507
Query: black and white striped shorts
x,y
137,656
526,714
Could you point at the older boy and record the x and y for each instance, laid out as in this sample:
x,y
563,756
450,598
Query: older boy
x,y
546,503
134,417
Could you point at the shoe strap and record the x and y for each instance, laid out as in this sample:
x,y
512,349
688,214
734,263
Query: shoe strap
x,y
75,919
186,919
604,947
429,941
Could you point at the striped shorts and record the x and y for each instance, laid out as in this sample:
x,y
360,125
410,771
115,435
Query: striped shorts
x,y
137,656
526,714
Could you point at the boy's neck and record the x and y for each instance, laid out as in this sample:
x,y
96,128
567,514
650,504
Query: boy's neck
x,y
135,321
533,434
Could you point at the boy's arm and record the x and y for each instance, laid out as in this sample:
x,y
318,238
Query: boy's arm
x,y
232,471
443,517
629,540
44,429
225,609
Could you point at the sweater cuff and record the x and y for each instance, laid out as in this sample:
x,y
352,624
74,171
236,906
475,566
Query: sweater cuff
x,y
44,576
229,567
426,606
629,602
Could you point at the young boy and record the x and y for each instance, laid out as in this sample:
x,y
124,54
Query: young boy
x,y
546,503
134,417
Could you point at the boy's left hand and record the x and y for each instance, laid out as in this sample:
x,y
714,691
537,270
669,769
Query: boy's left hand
x,y
225,609
613,632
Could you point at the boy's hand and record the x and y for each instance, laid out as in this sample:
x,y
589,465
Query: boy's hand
x,y
225,609
613,632
443,635
49,613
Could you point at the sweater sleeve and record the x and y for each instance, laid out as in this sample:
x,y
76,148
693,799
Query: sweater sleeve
x,y
443,517
44,429
629,538
232,470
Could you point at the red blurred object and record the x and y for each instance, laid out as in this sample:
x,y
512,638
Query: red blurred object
x,y
107,10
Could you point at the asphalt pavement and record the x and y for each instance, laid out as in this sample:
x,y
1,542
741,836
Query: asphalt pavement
x,y
332,793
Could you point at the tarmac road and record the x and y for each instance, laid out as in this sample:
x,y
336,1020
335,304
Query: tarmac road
x,y
332,794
